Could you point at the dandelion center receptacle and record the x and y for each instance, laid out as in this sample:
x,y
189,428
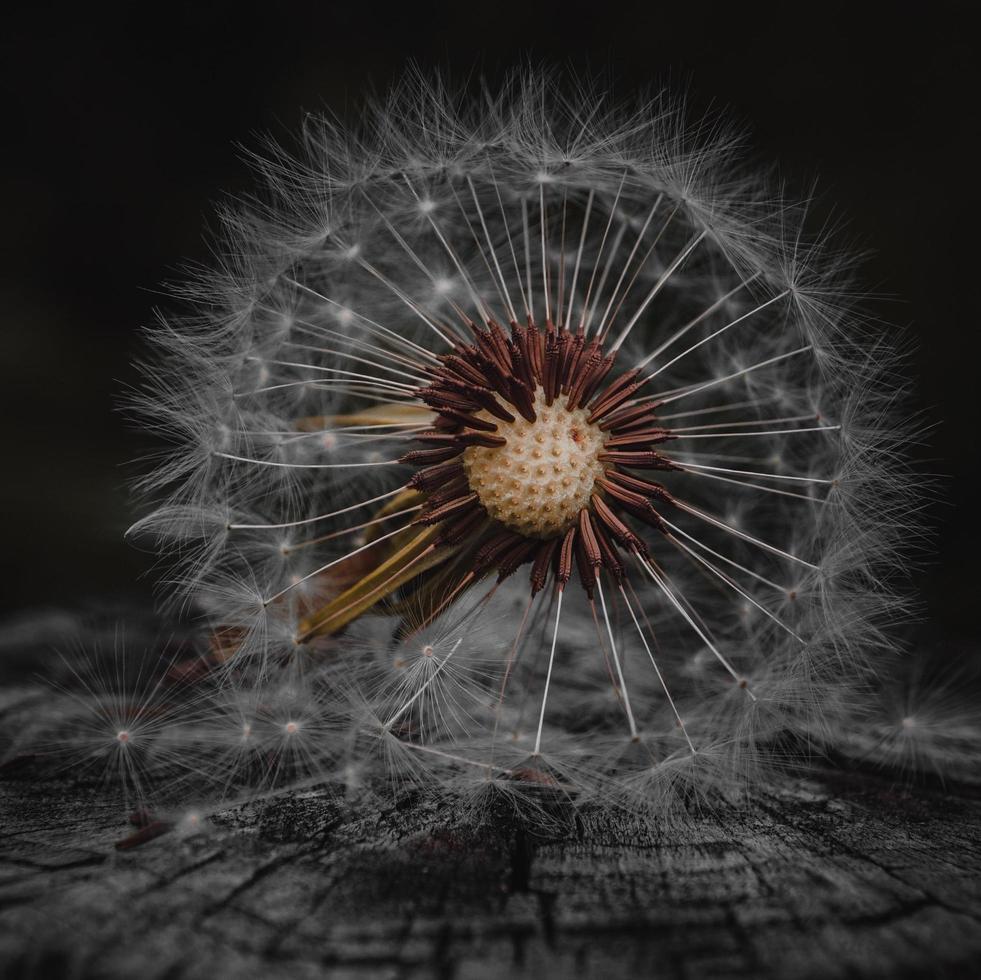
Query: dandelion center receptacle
x,y
539,480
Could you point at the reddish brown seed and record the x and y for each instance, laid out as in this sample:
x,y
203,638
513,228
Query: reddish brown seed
x,y
447,509
522,367
440,398
529,775
542,564
461,439
457,487
426,457
564,572
619,530
468,420
519,553
497,346
641,461
626,416
615,394
500,342
536,350
485,398
590,542
642,437
551,368
587,363
491,550
608,406
462,369
646,421
596,379
523,400
435,437
646,487
611,560
621,493
570,366
586,569
460,528
481,439
497,357
635,503
443,423
435,476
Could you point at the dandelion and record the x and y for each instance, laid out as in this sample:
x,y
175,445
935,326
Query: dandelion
x,y
117,717
552,365
922,721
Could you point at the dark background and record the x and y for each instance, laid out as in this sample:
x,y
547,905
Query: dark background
x,y
120,130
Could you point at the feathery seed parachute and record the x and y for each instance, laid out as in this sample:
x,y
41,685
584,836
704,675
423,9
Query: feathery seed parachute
x,y
524,441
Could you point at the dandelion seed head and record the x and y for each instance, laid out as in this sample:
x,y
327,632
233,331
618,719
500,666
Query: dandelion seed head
x,y
526,453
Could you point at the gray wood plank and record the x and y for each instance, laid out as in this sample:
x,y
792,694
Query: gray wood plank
x,y
837,873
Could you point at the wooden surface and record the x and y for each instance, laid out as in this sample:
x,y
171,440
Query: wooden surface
x,y
841,873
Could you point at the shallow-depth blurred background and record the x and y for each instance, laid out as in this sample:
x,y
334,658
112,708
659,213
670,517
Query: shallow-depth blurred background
x,y
120,130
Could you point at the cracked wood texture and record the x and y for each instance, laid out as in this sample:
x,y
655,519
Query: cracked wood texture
x,y
834,874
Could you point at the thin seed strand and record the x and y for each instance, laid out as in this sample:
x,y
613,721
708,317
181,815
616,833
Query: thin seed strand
x,y
331,564
616,659
657,670
319,517
669,593
548,676
666,397
742,534
728,581
708,311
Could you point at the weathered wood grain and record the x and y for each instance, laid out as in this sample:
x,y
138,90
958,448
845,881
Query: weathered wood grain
x,y
833,874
